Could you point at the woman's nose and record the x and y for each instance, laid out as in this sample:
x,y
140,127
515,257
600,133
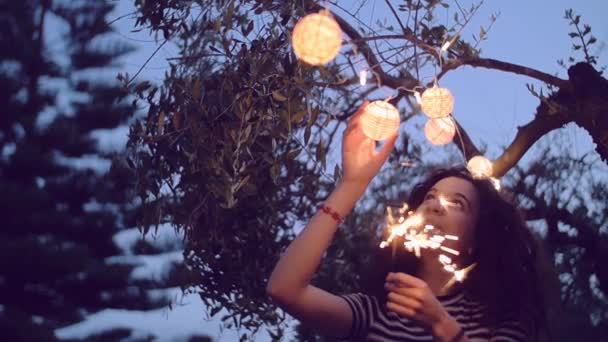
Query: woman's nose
x,y
434,206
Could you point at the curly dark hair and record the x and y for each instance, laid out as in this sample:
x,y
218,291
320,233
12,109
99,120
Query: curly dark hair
x,y
506,279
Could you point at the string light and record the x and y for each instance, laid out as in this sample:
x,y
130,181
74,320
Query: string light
x,y
440,131
496,183
445,46
437,102
480,167
418,97
363,77
317,38
380,120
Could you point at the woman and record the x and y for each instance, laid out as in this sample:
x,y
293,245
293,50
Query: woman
x,y
498,300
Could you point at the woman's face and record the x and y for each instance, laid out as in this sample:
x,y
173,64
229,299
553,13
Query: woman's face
x,y
452,206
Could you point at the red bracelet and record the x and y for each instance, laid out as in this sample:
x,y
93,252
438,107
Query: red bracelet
x,y
332,213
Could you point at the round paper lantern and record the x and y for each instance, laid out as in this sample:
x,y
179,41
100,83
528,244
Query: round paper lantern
x,y
480,166
317,38
440,131
379,120
437,102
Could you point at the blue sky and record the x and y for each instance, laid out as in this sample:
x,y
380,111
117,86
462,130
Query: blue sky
x,y
489,105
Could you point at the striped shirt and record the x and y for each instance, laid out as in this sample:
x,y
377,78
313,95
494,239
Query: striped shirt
x,y
372,322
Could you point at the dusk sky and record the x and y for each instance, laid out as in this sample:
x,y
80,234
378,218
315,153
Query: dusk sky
x,y
488,104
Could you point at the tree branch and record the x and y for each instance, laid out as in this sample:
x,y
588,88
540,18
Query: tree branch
x,y
526,137
390,6
504,66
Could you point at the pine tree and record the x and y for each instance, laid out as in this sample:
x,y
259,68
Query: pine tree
x,y
58,216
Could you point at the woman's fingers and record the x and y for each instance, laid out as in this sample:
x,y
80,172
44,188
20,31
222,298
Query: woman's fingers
x,y
401,310
353,122
405,291
405,279
388,146
409,302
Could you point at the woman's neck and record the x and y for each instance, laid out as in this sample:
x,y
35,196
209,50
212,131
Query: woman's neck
x,y
431,272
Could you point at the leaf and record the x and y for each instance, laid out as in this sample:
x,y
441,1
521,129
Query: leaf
x,y
177,121
248,29
321,153
217,24
240,184
327,120
482,33
274,171
131,163
161,123
278,96
215,310
298,117
196,91
229,14
591,40
573,34
247,133
233,136
226,44
337,173
214,49
293,153
142,86
314,115
307,134
587,29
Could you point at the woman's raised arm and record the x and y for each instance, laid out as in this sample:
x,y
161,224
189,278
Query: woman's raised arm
x,y
289,284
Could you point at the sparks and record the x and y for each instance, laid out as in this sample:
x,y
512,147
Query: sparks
x,y
458,275
419,235
415,232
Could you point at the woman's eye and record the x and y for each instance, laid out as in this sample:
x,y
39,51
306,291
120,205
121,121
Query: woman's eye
x,y
429,196
458,203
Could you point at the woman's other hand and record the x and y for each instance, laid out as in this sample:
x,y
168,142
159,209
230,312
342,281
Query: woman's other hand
x,y
360,160
411,297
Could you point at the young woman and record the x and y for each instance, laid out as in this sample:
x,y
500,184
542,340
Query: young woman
x,y
499,300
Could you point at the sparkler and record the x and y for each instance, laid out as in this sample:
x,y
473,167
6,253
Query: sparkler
x,y
417,236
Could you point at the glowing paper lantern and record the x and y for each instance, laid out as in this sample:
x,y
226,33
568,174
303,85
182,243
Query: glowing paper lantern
x,y
317,38
379,120
480,166
440,131
437,102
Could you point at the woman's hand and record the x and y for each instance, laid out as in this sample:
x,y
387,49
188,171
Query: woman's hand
x,y
412,298
360,160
